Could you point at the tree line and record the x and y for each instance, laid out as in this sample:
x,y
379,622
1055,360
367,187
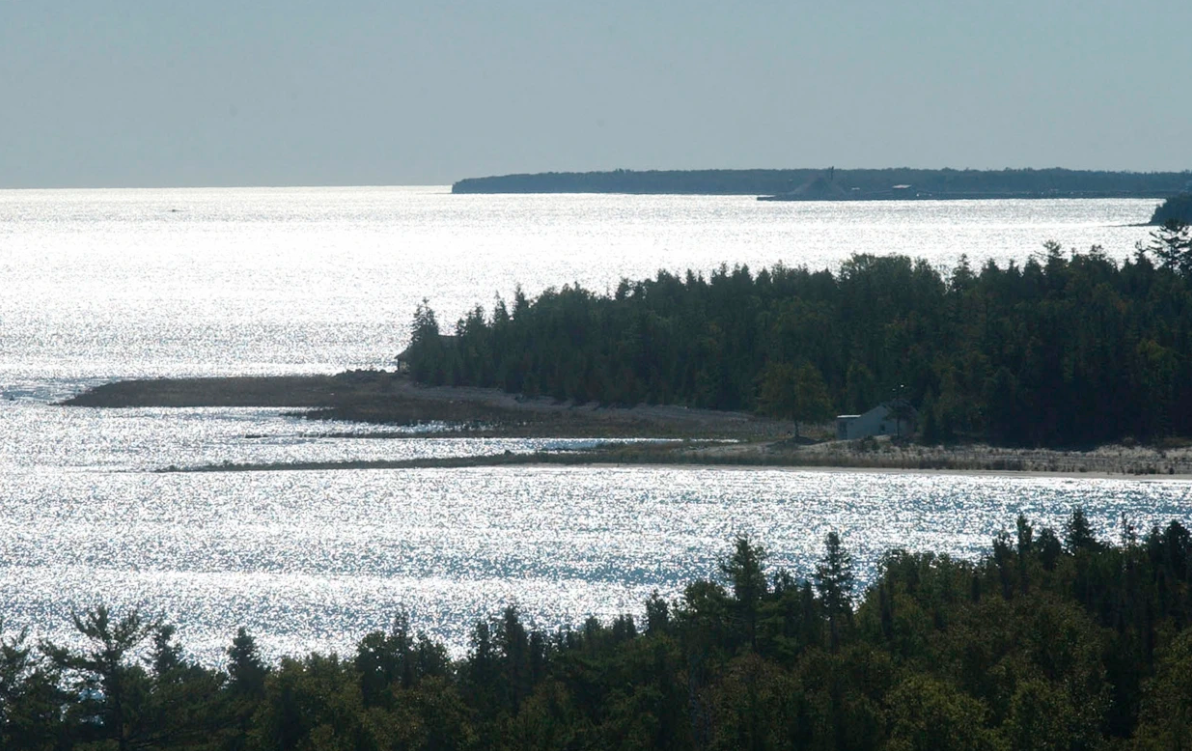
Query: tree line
x,y
1066,349
1054,639
1176,209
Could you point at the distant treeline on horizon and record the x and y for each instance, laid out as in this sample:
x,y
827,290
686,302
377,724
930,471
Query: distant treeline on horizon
x,y
857,184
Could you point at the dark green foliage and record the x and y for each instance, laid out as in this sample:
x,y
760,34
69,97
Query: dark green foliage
x,y
397,660
112,688
929,715
1078,533
1166,710
797,394
115,703
834,577
1066,350
246,671
428,350
931,433
1032,647
31,697
1177,208
745,570
657,613
834,581
1172,245
1048,548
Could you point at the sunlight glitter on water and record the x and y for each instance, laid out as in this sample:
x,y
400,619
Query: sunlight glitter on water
x,y
119,283
99,285
149,439
315,559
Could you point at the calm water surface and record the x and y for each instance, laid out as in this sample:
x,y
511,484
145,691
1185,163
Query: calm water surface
x,y
98,285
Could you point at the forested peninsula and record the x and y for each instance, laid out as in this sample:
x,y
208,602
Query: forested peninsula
x,y
1175,209
1069,349
846,184
1053,640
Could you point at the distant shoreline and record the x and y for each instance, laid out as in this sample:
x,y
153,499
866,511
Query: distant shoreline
x,y
819,184
707,437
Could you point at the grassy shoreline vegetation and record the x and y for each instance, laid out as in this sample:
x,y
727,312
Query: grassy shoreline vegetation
x,y
1103,462
1055,639
387,398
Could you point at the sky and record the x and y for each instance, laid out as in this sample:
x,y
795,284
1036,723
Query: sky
x,y
149,93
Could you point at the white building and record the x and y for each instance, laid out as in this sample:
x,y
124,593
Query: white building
x,y
878,421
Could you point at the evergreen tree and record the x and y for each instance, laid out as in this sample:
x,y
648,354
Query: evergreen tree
x,y
834,580
1049,548
745,570
246,670
167,653
31,696
1172,246
113,686
1078,533
657,613
1026,539
834,576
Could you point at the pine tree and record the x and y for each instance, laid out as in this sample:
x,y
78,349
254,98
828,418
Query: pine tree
x,y
114,686
834,580
834,576
745,568
1078,533
246,670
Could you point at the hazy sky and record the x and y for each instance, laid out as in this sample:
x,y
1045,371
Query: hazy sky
x,y
216,92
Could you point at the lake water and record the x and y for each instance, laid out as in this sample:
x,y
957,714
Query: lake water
x,y
99,285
